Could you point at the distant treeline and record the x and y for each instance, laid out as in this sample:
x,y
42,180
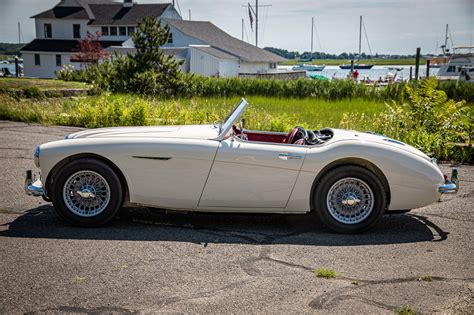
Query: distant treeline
x,y
322,55
10,49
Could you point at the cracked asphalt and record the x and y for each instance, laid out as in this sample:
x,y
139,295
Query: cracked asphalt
x,y
150,261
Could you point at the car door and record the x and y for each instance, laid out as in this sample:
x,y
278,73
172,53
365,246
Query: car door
x,y
252,175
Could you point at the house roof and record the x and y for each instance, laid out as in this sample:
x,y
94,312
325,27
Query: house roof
x,y
105,13
116,14
59,45
217,38
215,52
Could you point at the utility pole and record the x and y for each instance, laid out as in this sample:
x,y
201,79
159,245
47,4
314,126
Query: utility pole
x,y
312,28
255,12
189,14
256,23
242,29
360,36
19,32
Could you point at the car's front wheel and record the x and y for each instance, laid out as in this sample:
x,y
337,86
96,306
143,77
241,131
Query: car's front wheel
x,y
87,192
350,199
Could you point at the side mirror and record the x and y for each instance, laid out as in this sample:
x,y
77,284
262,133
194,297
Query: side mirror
x,y
242,124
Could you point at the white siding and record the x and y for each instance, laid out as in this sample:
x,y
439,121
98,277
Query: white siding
x,y
228,68
182,40
203,64
61,29
254,67
48,64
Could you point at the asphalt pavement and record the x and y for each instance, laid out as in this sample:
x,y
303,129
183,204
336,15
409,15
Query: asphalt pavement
x,y
149,261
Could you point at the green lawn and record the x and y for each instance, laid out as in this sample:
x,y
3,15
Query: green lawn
x,y
42,84
377,62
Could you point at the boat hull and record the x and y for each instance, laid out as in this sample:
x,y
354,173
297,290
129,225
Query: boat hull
x,y
358,67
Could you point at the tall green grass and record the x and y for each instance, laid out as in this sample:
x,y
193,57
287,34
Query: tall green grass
x,y
114,110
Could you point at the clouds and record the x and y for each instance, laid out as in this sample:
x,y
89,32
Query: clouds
x,y
393,26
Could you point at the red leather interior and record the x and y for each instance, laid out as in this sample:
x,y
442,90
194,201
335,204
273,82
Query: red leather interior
x,y
290,137
267,137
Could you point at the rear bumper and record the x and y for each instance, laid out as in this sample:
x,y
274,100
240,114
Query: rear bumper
x,y
450,186
33,186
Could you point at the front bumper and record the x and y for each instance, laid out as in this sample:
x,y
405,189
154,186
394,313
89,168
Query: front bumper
x,y
33,186
450,186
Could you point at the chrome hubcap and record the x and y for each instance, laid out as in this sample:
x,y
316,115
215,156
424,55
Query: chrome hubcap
x,y
86,193
350,200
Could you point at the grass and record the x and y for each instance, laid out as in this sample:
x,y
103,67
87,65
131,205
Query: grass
x,y
377,62
427,278
42,84
405,310
263,113
325,273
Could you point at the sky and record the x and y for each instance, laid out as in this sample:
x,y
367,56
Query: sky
x,y
392,26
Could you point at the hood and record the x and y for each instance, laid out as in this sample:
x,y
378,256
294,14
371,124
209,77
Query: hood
x,y
188,132
340,134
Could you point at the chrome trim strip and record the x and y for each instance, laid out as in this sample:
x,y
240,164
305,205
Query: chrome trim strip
x,y
160,158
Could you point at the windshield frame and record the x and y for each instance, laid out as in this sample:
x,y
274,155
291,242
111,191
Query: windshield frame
x,y
232,118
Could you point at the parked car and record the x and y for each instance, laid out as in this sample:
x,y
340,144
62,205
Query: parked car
x,y
348,178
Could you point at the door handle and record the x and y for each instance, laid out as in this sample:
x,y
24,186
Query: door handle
x,y
289,156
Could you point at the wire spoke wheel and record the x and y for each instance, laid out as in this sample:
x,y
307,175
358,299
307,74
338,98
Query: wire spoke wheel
x,y
350,200
86,193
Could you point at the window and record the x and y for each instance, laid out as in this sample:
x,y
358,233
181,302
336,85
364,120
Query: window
x,y
58,60
76,30
122,31
170,39
37,60
273,66
105,31
48,33
113,31
130,30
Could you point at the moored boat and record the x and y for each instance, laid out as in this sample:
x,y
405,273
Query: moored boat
x,y
358,66
307,67
461,62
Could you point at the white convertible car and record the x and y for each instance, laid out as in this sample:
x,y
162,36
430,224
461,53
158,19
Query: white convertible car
x,y
348,178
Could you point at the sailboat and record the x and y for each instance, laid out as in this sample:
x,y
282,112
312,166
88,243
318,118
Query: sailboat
x,y
358,65
309,67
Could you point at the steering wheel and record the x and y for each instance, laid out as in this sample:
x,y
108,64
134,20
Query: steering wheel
x,y
290,138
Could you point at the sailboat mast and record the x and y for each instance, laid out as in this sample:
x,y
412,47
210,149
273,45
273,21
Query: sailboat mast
x,y
446,39
360,35
312,28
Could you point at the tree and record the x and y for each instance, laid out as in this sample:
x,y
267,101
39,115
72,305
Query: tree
x,y
89,50
149,70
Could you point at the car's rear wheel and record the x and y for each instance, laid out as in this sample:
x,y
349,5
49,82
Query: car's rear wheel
x,y
349,199
87,192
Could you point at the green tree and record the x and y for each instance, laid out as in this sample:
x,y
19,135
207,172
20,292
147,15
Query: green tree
x,y
149,71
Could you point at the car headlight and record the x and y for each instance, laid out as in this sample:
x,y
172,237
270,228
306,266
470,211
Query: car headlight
x,y
37,154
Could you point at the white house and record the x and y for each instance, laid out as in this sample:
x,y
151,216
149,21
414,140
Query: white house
x,y
206,49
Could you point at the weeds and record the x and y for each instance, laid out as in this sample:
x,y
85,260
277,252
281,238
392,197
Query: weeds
x,y
405,310
325,273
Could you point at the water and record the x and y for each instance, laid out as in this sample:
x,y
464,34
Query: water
x,y
10,66
373,74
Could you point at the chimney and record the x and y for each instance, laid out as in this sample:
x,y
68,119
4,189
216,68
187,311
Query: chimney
x,y
127,3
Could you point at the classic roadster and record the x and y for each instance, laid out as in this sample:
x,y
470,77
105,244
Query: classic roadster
x,y
348,178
